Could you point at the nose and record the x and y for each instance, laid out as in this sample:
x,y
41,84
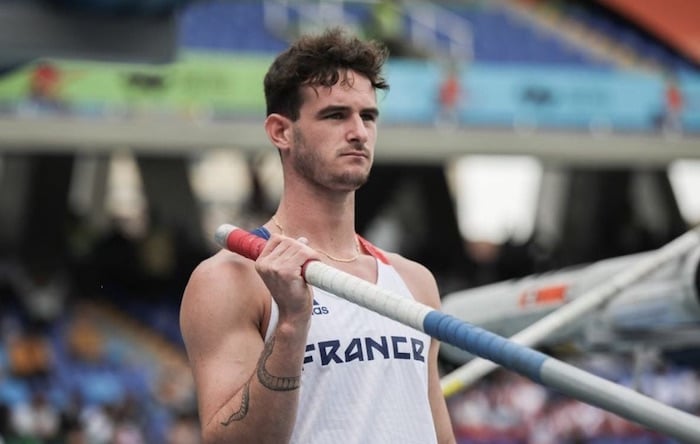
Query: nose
x,y
357,130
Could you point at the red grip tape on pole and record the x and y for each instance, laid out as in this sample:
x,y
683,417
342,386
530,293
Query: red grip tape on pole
x,y
244,243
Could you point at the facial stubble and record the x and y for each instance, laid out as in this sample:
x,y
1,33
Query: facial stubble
x,y
309,164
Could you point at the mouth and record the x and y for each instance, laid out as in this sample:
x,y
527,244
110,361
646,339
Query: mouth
x,y
355,153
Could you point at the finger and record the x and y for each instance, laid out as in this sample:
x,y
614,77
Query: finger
x,y
271,245
287,252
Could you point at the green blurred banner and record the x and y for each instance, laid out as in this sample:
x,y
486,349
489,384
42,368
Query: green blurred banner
x,y
197,82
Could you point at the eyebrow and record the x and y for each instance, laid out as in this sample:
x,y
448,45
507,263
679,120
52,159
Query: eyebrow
x,y
339,108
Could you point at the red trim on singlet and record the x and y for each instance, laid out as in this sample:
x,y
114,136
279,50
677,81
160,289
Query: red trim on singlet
x,y
372,250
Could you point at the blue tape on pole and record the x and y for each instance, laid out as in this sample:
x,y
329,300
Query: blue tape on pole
x,y
485,344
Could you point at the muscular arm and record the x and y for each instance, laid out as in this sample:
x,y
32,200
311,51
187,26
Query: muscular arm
x,y
247,390
424,288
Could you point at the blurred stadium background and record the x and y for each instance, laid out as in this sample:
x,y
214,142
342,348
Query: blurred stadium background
x,y
519,136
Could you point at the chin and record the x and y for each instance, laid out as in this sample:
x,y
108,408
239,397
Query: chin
x,y
350,183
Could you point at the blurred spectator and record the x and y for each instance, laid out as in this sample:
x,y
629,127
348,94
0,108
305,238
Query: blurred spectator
x,y
85,341
38,419
674,104
30,356
45,84
449,98
99,423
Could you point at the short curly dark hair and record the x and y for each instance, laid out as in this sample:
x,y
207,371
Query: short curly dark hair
x,y
320,60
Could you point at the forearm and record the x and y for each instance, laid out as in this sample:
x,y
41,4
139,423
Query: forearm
x,y
264,410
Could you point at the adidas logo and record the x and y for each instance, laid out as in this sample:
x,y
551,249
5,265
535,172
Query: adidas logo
x,y
319,309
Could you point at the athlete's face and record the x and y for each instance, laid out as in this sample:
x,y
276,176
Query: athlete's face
x,y
335,135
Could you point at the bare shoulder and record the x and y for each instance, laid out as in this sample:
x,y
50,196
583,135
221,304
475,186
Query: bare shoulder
x,y
221,272
222,266
221,288
418,278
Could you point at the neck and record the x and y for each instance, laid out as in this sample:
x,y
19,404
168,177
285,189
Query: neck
x,y
329,226
355,255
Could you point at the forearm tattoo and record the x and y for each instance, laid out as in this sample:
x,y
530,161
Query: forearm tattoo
x,y
275,383
243,410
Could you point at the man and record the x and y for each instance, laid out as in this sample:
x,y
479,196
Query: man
x,y
275,360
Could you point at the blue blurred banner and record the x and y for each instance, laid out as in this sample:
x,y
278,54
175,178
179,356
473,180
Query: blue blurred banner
x,y
540,97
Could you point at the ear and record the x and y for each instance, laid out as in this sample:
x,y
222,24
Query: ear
x,y
279,130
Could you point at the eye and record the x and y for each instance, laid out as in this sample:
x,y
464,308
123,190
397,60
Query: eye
x,y
335,116
369,117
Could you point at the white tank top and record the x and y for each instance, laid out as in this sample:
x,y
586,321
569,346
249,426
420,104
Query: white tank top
x,y
365,377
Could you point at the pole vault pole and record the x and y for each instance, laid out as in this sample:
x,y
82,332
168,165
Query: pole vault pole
x,y
477,368
530,363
